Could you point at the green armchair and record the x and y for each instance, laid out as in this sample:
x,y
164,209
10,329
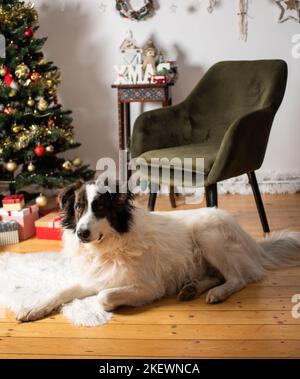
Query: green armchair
x,y
226,120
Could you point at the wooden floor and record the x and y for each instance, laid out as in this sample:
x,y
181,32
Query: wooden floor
x,y
256,322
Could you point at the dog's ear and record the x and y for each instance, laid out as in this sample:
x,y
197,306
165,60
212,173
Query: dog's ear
x,y
67,195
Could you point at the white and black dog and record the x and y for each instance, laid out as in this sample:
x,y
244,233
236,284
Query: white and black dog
x,y
129,256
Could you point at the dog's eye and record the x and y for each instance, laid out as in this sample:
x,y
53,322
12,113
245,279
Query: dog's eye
x,y
78,206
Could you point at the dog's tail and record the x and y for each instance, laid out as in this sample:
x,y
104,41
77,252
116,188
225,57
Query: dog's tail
x,y
280,249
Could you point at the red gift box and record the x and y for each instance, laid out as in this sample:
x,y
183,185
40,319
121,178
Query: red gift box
x,y
49,226
25,218
13,202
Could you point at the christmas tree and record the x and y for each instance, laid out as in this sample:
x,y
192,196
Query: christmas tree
x,y
33,126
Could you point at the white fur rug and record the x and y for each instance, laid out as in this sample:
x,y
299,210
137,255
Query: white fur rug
x,y
27,278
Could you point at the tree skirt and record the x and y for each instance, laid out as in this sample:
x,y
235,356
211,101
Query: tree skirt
x,y
27,278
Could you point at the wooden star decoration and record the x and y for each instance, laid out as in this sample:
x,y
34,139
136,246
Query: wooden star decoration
x,y
289,10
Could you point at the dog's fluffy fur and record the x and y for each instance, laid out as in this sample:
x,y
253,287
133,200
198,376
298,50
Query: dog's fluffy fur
x,y
129,256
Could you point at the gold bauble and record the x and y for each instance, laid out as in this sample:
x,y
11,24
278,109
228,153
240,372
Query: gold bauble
x,y
31,167
50,148
2,71
77,162
41,200
12,93
42,104
33,127
30,102
15,128
11,166
49,83
67,166
22,71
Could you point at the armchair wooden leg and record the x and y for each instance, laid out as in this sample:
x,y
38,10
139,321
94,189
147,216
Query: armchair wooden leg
x,y
259,202
172,197
211,194
152,197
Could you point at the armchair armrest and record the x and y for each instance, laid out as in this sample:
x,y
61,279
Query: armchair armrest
x,y
243,146
161,128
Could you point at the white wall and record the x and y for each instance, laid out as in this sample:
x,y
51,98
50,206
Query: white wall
x,y
83,41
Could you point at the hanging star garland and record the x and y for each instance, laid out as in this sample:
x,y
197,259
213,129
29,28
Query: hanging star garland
x,y
289,10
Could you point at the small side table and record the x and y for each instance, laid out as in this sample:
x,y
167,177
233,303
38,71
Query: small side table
x,y
140,93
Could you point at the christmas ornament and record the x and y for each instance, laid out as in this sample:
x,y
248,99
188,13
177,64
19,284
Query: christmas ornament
x,y
33,127
243,19
49,83
67,166
34,76
15,128
211,6
289,10
77,162
31,167
50,149
12,93
2,71
11,166
39,150
50,122
30,102
41,200
8,78
126,10
8,110
42,104
22,71
23,140
28,32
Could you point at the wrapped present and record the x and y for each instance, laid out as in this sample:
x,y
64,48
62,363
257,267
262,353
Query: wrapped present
x,y
9,232
25,218
49,226
13,202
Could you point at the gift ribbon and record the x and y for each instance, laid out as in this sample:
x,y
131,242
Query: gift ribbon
x,y
55,220
12,199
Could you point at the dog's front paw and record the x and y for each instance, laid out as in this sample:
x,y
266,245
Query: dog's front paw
x,y
214,296
106,300
188,292
33,314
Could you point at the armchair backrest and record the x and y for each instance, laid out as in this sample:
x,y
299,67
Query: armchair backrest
x,y
231,89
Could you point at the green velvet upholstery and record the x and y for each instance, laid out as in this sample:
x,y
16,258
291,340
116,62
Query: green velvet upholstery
x,y
226,119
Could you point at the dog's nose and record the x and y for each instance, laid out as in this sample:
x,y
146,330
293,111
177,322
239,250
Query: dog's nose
x,y
83,234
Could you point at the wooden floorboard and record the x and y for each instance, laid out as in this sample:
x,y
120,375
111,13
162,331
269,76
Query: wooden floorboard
x,y
256,322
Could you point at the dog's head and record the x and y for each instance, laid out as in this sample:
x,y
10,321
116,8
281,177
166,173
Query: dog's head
x,y
92,211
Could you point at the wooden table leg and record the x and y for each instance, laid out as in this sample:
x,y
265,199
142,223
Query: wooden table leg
x,y
121,125
128,125
166,103
127,135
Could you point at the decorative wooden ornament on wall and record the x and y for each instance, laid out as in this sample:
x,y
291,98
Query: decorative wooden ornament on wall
x,y
243,19
211,5
289,10
126,10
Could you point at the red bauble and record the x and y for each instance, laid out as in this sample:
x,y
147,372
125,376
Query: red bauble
x,y
39,150
28,33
